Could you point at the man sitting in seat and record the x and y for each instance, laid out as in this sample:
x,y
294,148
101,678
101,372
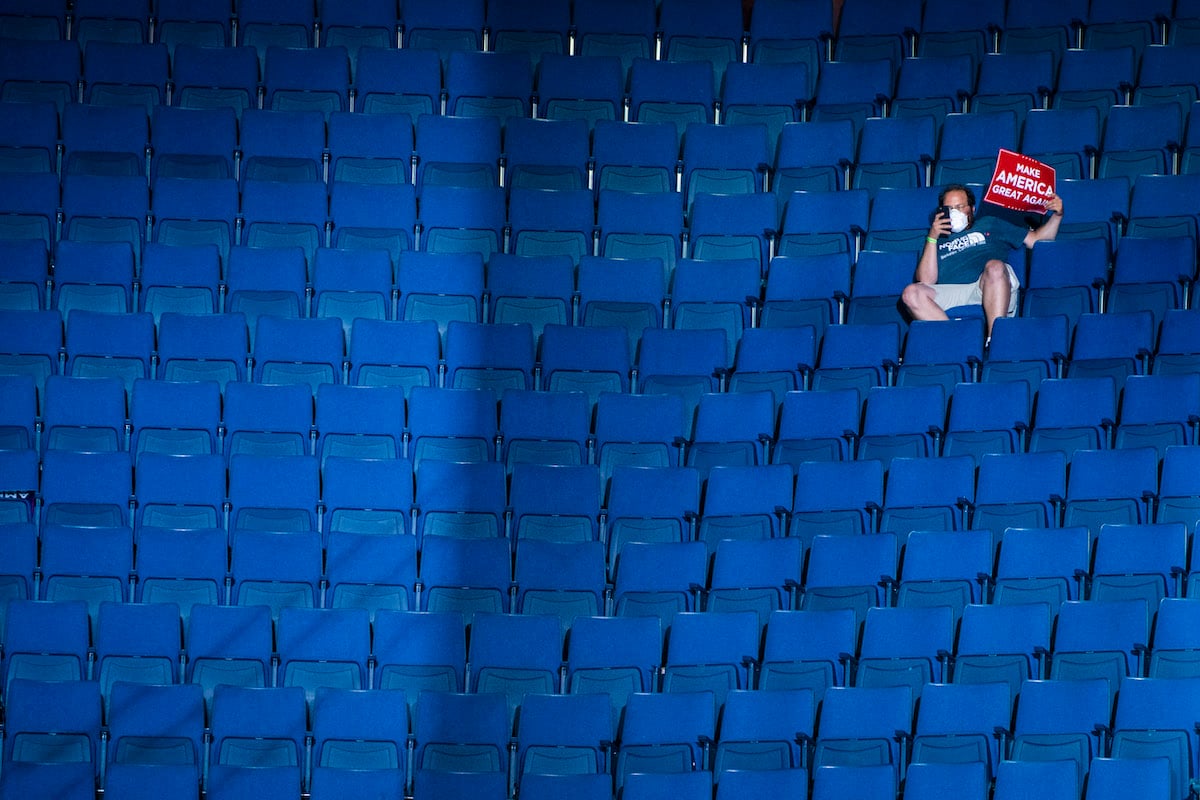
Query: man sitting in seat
x,y
965,260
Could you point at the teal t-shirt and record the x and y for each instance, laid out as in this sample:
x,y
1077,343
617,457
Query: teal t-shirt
x,y
962,256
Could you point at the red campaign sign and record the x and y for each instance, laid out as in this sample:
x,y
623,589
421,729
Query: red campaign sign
x,y
1020,183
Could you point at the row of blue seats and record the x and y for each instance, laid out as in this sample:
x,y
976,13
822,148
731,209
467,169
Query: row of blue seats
x,y
716,31
561,154
563,503
1108,779
1131,569
1069,278
708,429
816,650
955,722
275,216
329,79
686,360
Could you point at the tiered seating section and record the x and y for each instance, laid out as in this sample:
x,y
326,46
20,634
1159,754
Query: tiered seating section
x,y
436,400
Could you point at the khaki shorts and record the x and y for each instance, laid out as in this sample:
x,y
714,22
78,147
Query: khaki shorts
x,y
951,295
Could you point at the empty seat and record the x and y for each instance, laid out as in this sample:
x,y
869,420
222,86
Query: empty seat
x,y
276,569
265,419
451,425
136,643
307,79
555,502
745,502
373,217
371,571
836,498
564,579
494,356
229,645
466,575
804,649
1054,722
403,353
419,651
852,572
617,656
180,493
544,427
858,726
905,647
462,500
359,422
710,652
323,648
514,655
358,734
174,418
89,564
665,733
658,578
1004,644
391,81
208,75
464,733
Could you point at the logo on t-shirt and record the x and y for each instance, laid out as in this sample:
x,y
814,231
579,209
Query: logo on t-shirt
x,y
967,240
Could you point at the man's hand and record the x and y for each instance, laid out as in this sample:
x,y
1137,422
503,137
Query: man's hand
x,y
941,226
1054,205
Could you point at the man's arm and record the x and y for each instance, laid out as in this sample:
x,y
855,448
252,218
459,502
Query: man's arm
x,y
927,265
1049,228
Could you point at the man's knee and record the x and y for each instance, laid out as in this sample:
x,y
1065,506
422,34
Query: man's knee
x,y
916,295
995,271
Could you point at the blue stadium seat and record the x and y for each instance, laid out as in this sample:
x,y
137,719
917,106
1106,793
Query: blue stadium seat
x,y
534,27
229,646
391,81
359,422
180,493
666,733
855,572
323,648
124,73
352,284
1003,644
836,498
905,647
745,502
462,500
544,428
430,25
212,347
174,418
581,87
373,217
614,656
370,571
555,503
451,425
460,733
207,75
136,643
415,652
307,79
513,655
468,576
626,30
495,84
276,569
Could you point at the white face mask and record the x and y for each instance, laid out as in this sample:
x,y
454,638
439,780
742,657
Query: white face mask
x,y
958,221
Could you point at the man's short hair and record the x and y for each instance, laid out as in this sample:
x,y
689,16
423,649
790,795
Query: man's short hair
x,y
956,187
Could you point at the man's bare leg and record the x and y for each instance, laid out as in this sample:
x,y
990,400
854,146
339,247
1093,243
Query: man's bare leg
x,y
996,290
919,299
